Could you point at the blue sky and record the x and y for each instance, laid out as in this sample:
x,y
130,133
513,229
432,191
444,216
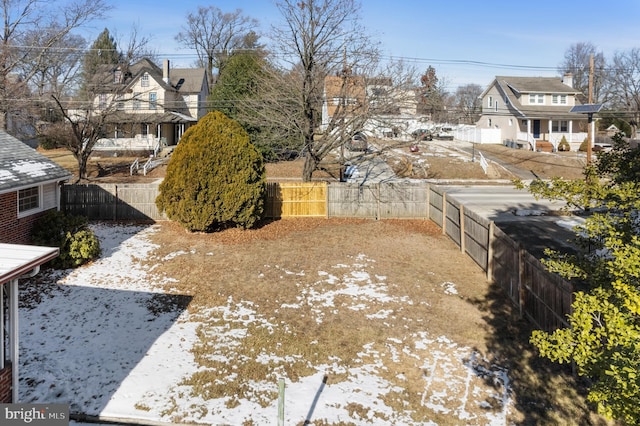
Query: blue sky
x,y
466,41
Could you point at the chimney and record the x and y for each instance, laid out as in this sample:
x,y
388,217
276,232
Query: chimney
x,y
165,71
568,79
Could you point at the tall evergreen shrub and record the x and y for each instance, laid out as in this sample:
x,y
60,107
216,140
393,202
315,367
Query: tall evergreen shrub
x,y
215,178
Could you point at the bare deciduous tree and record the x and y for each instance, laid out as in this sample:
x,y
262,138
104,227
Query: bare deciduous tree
x,y
54,21
625,86
214,34
59,71
468,103
577,62
330,65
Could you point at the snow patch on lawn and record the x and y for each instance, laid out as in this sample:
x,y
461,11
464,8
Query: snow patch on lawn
x,y
100,341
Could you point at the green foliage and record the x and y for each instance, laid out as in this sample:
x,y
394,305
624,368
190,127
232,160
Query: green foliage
x,y
564,145
623,126
46,142
237,83
215,178
237,92
622,163
103,51
584,145
71,234
604,338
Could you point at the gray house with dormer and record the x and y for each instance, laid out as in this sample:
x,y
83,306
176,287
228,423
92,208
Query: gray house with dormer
x,y
534,112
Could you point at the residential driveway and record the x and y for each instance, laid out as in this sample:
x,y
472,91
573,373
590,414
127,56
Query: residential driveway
x,y
372,170
536,224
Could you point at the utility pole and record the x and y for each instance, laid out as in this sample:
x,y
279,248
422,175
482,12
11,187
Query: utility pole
x,y
589,123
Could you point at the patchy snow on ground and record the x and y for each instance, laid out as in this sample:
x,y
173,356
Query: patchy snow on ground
x,y
101,339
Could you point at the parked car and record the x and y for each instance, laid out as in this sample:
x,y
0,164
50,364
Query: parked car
x,y
445,133
422,135
602,147
358,142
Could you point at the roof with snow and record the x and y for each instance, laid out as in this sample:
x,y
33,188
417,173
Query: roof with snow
x,y
22,166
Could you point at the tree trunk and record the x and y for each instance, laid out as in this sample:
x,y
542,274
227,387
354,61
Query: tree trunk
x,y
310,165
82,158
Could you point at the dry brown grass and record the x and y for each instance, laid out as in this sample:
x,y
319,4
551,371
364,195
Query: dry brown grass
x,y
262,285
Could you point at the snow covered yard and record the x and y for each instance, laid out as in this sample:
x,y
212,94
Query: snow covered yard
x,y
109,340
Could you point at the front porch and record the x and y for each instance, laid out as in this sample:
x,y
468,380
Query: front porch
x,y
149,145
543,138
143,134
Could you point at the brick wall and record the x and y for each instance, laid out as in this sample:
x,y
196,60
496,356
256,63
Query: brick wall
x,y
5,384
12,229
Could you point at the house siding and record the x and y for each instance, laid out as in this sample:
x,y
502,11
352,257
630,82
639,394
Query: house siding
x,y
496,114
15,230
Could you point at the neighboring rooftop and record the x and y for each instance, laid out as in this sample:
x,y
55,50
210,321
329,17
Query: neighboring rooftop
x,y
22,166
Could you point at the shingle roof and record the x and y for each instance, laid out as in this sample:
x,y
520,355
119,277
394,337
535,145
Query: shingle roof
x,y
22,166
516,87
537,85
192,78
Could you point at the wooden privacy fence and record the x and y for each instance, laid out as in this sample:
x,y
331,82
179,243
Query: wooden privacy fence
x,y
296,199
542,297
112,201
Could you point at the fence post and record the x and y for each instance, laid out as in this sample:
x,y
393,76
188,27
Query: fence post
x,y
115,202
379,203
462,231
521,287
428,201
444,213
490,249
281,402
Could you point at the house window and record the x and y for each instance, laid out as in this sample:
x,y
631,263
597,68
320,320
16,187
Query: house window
x,y
536,98
144,129
119,103
153,97
496,106
489,122
490,102
28,200
510,122
144,80
559,99
117,76
136,100
560,126
102,100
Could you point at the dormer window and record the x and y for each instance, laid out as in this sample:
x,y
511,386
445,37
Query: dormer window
x,y
536,98
117,76
559,99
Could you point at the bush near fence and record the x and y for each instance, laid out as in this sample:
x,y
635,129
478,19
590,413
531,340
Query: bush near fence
x,y
542,297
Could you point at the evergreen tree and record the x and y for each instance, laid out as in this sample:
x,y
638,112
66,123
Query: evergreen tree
x,y
237,83
103,51
215,178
